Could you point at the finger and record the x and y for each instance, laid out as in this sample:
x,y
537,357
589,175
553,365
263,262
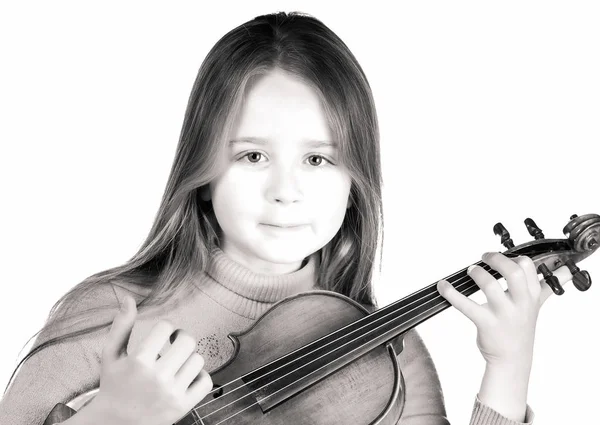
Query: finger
x,y
488,284
183,345
563,274
465,305
149,348
516,279
189,371
120,331
545,293
528,266
199,388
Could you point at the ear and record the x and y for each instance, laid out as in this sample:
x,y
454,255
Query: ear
x,y
205,193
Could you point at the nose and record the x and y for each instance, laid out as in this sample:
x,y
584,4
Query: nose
x,y
283,186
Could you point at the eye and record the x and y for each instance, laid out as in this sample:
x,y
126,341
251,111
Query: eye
x,y
317,160
253,157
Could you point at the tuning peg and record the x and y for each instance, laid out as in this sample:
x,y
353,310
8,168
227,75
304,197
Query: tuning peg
x,y
551,280
501,231
533,230
581,278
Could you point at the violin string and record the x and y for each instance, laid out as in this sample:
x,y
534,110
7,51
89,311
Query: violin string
x,y
459,285
363,319
310,373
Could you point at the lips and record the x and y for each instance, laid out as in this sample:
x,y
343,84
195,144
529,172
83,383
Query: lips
x,y
285,226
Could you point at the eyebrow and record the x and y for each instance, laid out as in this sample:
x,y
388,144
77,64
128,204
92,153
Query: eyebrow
x,y
261,141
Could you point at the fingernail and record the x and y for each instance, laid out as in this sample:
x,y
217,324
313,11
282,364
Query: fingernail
x,y
471,267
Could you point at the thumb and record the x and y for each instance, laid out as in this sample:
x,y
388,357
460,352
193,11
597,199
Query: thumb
x,y
120,331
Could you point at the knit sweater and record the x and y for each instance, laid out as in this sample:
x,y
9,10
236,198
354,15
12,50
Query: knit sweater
x,y
227,298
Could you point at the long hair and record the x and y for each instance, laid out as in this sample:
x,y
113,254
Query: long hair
x,y
185,228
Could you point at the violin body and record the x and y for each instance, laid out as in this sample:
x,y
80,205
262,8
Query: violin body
x,y
370,390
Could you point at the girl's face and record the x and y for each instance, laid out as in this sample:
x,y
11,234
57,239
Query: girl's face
x,y
282,194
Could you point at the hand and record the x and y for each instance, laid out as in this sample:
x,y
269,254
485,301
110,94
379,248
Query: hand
x,y
506,323
140,388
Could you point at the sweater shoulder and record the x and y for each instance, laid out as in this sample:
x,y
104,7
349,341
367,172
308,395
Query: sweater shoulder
x,y
80,311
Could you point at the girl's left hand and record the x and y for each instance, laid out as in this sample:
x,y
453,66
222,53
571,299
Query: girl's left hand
x,y
506,323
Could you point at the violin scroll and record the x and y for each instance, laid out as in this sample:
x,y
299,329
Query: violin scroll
x,y
584,231
583,238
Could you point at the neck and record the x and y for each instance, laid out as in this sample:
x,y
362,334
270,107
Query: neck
x,y
259,265
248,293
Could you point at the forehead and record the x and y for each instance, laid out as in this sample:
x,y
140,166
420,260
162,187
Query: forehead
x,y
279,105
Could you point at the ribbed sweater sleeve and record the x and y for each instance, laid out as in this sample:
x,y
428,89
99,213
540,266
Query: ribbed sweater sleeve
x,y
54,375
424,401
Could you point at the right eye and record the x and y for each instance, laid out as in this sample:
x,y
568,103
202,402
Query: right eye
x,y
253,157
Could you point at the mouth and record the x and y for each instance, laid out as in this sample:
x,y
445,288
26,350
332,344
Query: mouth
x,y
283,226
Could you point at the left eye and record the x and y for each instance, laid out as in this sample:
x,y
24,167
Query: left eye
x,y
317,159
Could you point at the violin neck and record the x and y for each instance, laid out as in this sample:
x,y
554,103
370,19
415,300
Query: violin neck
x,y
399,317
406,313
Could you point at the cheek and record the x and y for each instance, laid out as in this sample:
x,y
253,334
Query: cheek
x,y
331,196
233,195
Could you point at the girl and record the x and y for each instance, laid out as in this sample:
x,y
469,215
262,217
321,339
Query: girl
x,y
275,189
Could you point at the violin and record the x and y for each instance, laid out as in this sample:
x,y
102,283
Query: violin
x,y
335,362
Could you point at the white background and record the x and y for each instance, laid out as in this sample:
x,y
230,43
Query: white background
x,y
488,113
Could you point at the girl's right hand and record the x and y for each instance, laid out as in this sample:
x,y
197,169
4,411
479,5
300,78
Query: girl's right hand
x,y
141,388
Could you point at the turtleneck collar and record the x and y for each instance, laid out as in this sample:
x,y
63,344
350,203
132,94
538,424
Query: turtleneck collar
x,y
249,293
